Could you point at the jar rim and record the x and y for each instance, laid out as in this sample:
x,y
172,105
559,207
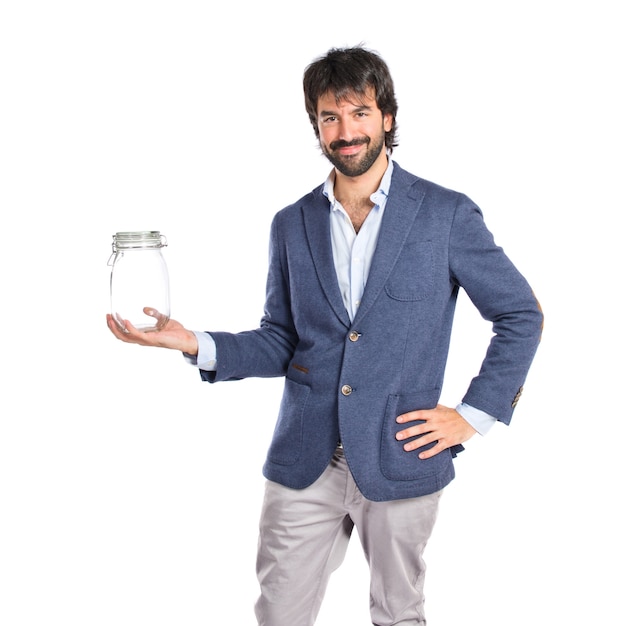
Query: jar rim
x,y
139,239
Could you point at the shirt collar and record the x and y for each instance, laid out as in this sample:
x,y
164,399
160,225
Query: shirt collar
x,y
379,197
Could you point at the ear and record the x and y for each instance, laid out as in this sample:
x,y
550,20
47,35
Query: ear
x,y
387,122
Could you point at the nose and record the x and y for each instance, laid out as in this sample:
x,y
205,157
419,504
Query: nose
x,y
347,129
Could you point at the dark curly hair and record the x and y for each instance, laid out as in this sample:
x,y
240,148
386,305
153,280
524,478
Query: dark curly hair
x,y
347,71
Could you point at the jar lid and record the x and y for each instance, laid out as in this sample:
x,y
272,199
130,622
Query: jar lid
x,y
139,239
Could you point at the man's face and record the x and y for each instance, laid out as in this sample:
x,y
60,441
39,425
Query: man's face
x,y
352,132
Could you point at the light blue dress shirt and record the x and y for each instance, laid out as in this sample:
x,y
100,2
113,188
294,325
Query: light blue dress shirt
x,y
352,254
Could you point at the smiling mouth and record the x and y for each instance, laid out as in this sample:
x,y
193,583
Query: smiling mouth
x,y
349,150
348,147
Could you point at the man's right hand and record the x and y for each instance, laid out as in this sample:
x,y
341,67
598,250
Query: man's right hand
x,y
173,335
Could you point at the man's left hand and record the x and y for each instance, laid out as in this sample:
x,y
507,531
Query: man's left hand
x,y
441,424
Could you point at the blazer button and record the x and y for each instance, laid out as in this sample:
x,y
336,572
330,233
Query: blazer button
x,y
354,336
346,390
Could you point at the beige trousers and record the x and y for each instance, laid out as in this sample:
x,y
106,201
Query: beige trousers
x,y
304,536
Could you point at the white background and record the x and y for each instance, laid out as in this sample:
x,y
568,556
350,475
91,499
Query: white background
x,y
129,490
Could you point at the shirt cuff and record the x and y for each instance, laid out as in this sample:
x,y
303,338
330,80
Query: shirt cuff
x,y
206,358
480,421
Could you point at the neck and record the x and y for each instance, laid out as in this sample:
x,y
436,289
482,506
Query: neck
x,y
353,192
350,189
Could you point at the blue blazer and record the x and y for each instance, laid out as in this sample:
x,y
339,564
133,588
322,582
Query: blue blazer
x,y
347,381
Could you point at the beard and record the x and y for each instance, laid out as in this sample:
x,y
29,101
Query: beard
x,y
354,164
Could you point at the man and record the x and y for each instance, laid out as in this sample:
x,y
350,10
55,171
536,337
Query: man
x,y
363,277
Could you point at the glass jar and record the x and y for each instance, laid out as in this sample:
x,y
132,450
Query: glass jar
x,y
139,280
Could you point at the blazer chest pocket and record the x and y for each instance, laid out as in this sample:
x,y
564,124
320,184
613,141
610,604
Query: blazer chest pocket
x,y
412,276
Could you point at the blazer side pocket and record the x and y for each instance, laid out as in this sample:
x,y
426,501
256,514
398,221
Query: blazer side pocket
x,y
286,445
395,462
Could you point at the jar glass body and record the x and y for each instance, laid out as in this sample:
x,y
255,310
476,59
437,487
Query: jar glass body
x,y
139,280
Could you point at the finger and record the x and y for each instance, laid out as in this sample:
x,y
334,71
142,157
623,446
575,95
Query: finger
x,y
148,310
120,322
411,416
113,325
161,318
420,442
123,329
436,449
412,431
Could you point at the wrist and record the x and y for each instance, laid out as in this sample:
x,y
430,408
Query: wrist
x,y
191,344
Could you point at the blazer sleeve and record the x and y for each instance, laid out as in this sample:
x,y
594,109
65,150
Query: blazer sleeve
x,y
503,296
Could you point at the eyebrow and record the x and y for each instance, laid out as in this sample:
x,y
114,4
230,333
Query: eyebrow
x,y
357,109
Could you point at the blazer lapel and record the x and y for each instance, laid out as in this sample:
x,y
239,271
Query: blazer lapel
x,y
402,207
317,228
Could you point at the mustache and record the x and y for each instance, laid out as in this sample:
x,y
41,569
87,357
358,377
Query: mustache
x,y
342,143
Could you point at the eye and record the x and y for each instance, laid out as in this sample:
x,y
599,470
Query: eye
x,y
329,119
